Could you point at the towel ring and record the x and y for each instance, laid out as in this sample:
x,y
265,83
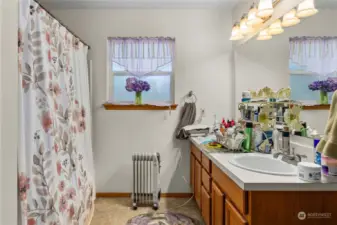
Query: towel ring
x,y
192,96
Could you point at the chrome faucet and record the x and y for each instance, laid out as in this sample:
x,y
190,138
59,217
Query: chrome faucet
x,y
293,159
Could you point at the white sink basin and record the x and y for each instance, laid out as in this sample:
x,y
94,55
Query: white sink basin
x,y
263,164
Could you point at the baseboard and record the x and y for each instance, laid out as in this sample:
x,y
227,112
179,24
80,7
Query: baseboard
x,y
126,195
176,195
112,195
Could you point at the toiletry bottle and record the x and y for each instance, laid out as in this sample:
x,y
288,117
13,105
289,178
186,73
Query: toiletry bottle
x,y
249,113
256,116
222,129
286,117
279,117
242,109
248,136
286,139
285,113
317,154
304,130
276,142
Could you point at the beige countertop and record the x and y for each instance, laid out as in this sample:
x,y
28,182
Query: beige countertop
x,y
253,181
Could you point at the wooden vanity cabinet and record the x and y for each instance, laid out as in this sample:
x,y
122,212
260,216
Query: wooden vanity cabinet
x,y
222,202
211,186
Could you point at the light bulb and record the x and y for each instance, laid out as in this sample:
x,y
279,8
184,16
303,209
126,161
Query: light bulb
x,y
244,28
264,35
306,8
290,19
276,28
265,8
236,33
253,19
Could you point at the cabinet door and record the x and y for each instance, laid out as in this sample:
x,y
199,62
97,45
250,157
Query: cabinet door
x,y
205,206
192,163
197,183
233,217
217,205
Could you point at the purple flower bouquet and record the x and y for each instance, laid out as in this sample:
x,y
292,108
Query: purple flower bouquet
x,y
135,85
324,86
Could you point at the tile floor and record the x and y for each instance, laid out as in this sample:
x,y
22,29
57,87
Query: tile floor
x,y
117,211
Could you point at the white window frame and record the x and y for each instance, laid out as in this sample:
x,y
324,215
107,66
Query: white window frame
x,y
111,74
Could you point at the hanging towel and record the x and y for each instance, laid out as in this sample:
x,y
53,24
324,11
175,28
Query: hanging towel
x,y
188,115
328,144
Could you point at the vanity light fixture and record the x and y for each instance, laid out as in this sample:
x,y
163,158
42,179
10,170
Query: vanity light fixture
x,y
236,33
265,8
290,19
264,35
306,9
276,28
253,19
244,28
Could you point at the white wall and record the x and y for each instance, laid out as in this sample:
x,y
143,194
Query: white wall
x,y
265,63
8,111
203,64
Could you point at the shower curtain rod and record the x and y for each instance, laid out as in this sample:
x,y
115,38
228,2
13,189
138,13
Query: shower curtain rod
x,y
62,23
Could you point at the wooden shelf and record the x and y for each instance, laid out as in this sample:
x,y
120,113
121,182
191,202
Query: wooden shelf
x,y
110,106
316,107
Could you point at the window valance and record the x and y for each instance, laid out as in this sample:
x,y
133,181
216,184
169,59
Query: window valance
x,y
141,56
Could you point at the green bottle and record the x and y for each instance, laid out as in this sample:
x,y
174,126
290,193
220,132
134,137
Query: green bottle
x,y
247,144
304,130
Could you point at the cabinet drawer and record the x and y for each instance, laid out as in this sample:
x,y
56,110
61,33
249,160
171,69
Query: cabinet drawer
x,y
232,191
233,217
206,180
196,152
206,163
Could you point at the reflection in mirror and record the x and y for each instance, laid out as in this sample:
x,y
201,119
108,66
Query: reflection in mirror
x,y
312,67
267,63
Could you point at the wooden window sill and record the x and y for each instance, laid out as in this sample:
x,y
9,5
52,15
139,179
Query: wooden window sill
x,y
316,107
110,106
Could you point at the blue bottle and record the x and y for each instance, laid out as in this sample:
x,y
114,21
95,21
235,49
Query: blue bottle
x,y
317,154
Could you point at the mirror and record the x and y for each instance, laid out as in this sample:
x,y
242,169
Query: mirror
x,y
267,63
260,63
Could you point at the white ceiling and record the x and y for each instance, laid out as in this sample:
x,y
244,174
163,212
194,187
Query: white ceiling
x,y
66,4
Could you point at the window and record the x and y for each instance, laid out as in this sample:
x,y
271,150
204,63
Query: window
x,y
146,59
160,81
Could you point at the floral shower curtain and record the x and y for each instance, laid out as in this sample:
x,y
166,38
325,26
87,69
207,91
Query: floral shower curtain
x,y
55,162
